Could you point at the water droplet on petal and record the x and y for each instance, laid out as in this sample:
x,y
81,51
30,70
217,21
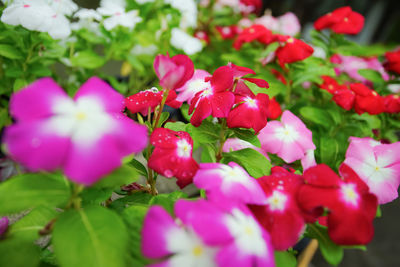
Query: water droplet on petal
x,y
168,173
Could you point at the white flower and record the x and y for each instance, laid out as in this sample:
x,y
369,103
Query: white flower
x,y
181,40
115,9
141,2
66,7
144,50
87,20
89,14
37,15
188,9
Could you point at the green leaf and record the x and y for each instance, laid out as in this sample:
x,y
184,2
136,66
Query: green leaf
x,y
167,201
135,198
373,121
94,236
254,162
32,190
19,84
208,153
29,226
164,116
10,52
17,252
206,133
185,111
176,126
247,135
329,149
332,253
371,75
87,59
317,116
95,195
284,259
140,168
310,70
126,174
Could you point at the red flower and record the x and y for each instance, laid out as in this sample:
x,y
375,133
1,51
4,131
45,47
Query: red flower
x,y
151,98
293,50
367,100
202,35
173,72
216,100
274,109
256,32
227,32
254,6
331,85
392,103
279,76
249,113
342,20
344,98
351,206
172,155
393,61
241,88
281,216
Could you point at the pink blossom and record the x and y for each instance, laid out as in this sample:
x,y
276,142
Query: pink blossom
x,y
289,24
268,22
193,86
289,139
378,165
234,144
86,136
230,182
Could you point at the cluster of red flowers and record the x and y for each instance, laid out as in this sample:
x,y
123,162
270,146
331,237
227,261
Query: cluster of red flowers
x,y
294,200
393,61
360,97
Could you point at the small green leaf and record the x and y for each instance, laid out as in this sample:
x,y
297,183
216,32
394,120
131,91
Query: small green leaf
x,y
95,195
317,116
10,52
135,198
332,253
176,126
164,116
94,236
247,135
371,75
167,201
284,259
140,168
254,162
206,133
329,149
18,252
208,153
87,59
32,190
126,174
19,84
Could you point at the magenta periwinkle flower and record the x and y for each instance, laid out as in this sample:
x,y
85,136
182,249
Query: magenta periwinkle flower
x,y
86,136
378,165
289,139
3,225
206,234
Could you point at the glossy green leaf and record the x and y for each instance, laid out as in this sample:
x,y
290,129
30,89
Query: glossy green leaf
x,y
207,153
284,259
254,162
16,252
94,236
371,75
9,51
247,135
126,174
317,116
140,168
329,149
87,59
32,190
176,126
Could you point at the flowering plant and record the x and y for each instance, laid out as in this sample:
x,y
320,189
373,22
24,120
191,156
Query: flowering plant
x,y
244,140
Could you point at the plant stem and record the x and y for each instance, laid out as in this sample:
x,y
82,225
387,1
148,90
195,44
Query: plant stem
x,y
75,201
164,99
222,140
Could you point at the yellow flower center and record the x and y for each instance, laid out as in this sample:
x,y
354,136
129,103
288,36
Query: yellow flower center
x,y
197,251
81,116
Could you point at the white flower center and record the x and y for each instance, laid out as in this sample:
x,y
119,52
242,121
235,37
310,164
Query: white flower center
x,y
207,92
252,103
184,149
286,134
226,30
350,194
247,233
277,201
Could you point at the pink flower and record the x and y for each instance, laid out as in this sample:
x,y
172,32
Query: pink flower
x,y
173,72
289,139
215,100
86,136
268,22
289,24
308,160
230,182
280,216
3,225
351,207
378,165
249,112
172,155
196,84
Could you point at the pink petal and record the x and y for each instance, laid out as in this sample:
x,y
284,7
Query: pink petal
x,y
290,152
36,149
162,65
111,100
269,142
36,100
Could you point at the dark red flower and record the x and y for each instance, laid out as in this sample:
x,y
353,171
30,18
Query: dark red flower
x,y
274,109
342,20
173,72
351,207
281,216
172,155
151,98
392,103
330,84
292,50
393,61
241,88
344,98
367,100
228,32
255,32
250,112
253,6
279,76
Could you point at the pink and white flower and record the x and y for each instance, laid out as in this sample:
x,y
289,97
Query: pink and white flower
x,y
230,182
115,11
196,84
234,144
289,139
86,136
378,165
